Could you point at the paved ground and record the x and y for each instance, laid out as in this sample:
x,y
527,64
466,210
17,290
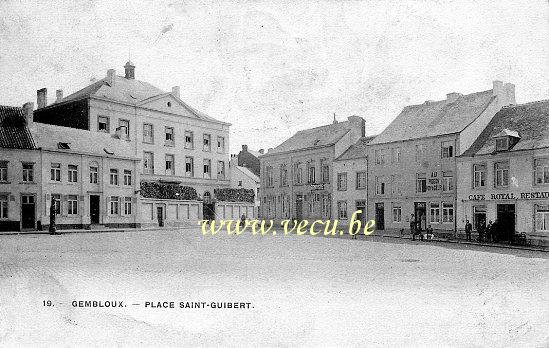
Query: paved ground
x,y
305,291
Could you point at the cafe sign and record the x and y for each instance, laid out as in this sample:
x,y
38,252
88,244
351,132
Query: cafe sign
x,y
510,196
433,183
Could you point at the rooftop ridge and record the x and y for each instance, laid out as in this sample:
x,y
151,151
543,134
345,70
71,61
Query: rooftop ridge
x,y
431,102
524,104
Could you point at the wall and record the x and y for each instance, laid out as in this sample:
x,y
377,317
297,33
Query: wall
x,y
72,114
176,212
352,194
237,177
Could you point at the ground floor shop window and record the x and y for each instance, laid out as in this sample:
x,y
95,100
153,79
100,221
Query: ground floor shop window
x,y
397,213
3,206
73,205
341,210
434,213
115,205
542,218
127,206
479,215
447,212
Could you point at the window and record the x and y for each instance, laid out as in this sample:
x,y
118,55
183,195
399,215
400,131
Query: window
x,y
541,171
57,203
189,140
55,172
103,124
220,170
73,173
502,144
479,175
72,205
170,136
542,218
447,149
207,142
207,168
342,181
395,158
342,210
479,214
4,206
3,171
501,174
420,152
421,182
447,212
114,177
170,169
127,177
93,174
325,171
298,173
397,213
360,180
127,206
269,176
447,181
148,134
380,185
434,213
63,146
311,174
148,162
28,172
124,127
189,166
115,205
283,175
380,156
220,144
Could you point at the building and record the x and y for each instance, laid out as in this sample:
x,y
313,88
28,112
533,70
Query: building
x,y
176,143
504,175
296,176
350,175
20,182
91,178
250,159
244,178
412,174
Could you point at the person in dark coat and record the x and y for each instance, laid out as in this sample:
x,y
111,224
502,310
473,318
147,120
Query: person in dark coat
x,y
481,230
468,230
495,231
488,232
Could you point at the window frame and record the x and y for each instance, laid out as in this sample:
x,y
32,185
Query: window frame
x,y
113,177
345,214
55,172
148,169
27,173
108,124
434,207
342,181
4,171
72,173
169,158
365,180
148,139
189,174
94,175
482,175
418,179
504,182
127,177
72,204
169,132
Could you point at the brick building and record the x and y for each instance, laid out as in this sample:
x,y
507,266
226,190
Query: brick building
x,y
296,176
250,159
412,172
505,174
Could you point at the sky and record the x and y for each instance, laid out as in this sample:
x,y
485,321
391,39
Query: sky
x,y
271,68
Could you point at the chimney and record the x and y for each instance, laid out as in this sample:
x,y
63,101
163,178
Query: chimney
x,y
175,91
58,95
111,75
357,126
129,69
42,98
234,161
261,151
497,88
245,148
510,92
28,110
452,97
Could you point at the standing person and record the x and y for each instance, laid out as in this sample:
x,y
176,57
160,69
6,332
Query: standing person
x,y
52,228
481,230
495,231
413,226
488,233
468,230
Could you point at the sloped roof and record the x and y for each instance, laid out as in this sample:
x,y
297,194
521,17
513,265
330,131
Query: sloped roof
x,y
313,138
129,91
357,150
507,133
81,141
248,173
436,118
14,133
530,120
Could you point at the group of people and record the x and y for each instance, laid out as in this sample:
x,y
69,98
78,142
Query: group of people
x,y
416,230
486,233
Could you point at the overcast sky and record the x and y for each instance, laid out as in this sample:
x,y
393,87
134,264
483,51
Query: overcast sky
x,y
272,68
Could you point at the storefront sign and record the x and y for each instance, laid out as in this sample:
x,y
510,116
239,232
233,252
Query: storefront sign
x,y
315,187
433,183
507,196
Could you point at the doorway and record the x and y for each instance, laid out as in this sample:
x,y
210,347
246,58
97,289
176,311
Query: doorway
x,y
420,214
94,209
380,216
361,205
299,207
160,215
28,212
506,221
208,207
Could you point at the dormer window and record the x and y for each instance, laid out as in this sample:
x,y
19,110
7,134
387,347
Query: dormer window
x,y
502,144
63,146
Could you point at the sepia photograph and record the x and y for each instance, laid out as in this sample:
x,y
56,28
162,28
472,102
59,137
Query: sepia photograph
x,y
294,173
